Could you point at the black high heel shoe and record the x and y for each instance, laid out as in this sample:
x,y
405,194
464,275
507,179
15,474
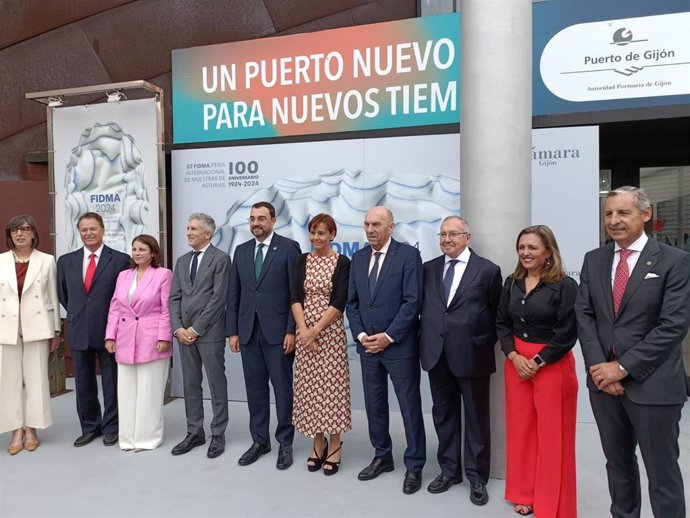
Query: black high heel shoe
x,y
334,466
318,460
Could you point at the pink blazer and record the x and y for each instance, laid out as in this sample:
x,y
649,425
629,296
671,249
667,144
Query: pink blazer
x,y
137,327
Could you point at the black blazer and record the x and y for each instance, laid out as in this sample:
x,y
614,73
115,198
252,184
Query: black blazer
x,y
339,282
465,329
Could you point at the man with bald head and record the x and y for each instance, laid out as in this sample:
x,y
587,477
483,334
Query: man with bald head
x,y
384,299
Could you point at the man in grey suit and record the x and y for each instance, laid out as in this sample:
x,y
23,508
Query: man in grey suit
x,y
633,310
197,315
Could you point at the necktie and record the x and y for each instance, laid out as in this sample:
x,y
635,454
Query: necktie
x,y
90,272
195,266
620,280
374,273
448,279
259,260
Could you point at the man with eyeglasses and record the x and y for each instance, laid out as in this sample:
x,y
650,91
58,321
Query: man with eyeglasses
x,y
458,335
260,323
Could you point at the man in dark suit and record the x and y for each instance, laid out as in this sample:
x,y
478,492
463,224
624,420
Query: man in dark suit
x,y
86,282
457,339
384,298
259,321
633,310
197,318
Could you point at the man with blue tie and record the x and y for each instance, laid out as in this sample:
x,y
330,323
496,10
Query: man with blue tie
x,y
86,282
384,298
458,335
259,321
197,318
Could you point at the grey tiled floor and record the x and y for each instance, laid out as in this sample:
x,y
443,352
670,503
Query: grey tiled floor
x,y
59,480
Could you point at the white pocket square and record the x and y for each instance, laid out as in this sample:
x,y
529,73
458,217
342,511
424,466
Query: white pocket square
x,y
651,276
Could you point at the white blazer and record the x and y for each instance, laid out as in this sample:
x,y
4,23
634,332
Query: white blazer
x,y
39,307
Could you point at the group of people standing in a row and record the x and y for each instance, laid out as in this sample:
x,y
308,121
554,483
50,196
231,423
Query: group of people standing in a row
x,y
276,305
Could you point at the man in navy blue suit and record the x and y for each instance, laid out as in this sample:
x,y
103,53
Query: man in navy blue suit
x,y
384,299
86,282
259,321
457,339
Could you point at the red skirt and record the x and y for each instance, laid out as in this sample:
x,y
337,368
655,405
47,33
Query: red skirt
x,y
540,436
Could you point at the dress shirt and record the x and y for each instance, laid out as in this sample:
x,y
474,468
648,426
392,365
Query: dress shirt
x,y
382,257
199,257
545,316
636,247
458,272
266,242
87,259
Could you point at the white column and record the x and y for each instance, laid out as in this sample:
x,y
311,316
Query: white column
x,y
495,148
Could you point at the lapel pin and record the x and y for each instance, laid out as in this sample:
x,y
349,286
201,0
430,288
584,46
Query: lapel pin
x,y
649,263
275,248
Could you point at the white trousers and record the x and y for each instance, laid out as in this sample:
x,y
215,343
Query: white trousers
x,y
140,393
27,363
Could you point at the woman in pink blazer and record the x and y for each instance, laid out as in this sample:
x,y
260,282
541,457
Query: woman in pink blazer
x,y
139,334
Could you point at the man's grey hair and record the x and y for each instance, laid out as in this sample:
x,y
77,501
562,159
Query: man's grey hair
x,y
207,220
460,219
641,199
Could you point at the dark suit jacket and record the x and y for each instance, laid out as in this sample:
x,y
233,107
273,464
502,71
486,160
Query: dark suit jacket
x,y
87,314
201,305
394,308
465,329
650,326
268,298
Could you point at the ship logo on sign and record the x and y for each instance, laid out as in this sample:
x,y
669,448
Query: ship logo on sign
x,y
623,36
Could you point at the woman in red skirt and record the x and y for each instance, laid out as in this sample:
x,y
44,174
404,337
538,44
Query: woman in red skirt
x,y
537,329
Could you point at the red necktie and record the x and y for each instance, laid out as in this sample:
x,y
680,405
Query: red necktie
x,y
620,280
90,272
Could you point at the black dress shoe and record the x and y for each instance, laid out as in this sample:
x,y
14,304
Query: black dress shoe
x,y
188,443
110,439
217,446
86,438
378,465
284,456
442,483
478,493
255,451
412,482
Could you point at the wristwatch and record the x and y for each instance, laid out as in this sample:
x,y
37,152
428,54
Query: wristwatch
x,y
538,360
622,369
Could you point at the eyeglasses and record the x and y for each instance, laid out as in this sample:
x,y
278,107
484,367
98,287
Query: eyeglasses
x,y
24,229
452,235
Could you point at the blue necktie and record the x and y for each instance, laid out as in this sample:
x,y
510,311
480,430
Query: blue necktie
x,y
374,273
195,266
448,279
259,260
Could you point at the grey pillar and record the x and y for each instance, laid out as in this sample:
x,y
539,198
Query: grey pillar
x,y
495,147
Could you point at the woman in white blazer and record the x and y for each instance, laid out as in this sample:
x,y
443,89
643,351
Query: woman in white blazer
x,y
29,330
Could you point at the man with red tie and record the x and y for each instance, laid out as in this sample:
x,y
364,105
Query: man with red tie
x,y
633,311
86,282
